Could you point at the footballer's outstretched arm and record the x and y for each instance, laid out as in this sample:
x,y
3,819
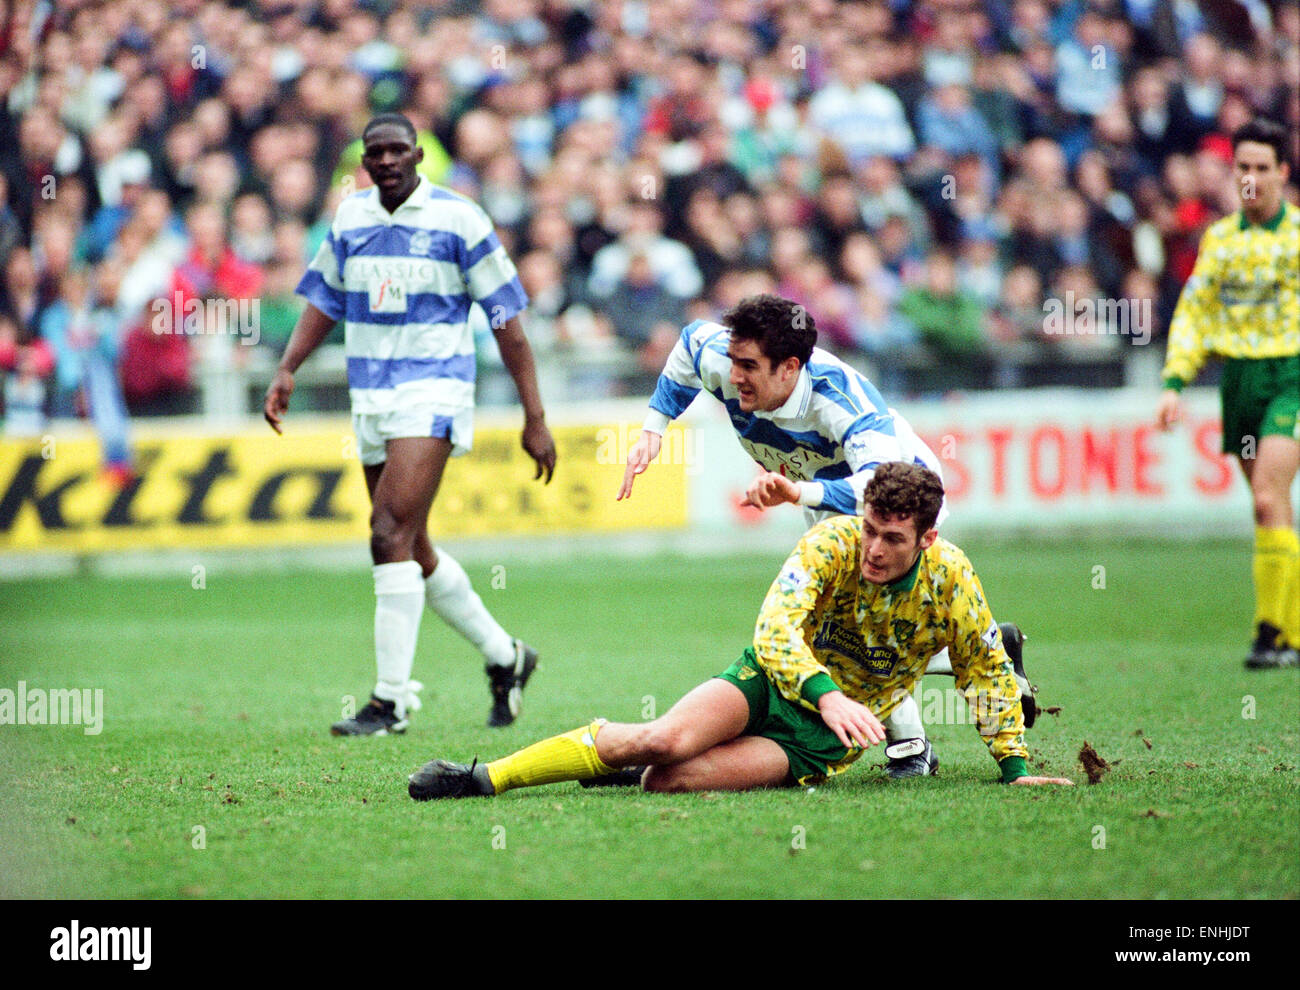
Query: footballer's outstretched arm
x,y
311,328
678,385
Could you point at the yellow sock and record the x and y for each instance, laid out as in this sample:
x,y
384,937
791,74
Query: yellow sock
x,y
1290,625
1274,568
1293,629
568,756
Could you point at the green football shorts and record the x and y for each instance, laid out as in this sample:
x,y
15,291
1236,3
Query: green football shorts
x,y
811,747
1261,397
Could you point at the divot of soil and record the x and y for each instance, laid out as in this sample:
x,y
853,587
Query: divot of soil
x,y
1093,765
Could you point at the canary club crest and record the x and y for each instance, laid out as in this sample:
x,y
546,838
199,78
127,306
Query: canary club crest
x,y
903,631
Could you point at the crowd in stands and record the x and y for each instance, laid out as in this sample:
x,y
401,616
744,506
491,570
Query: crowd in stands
x,y
921,174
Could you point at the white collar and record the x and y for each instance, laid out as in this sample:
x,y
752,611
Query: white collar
x,y
418,195
796,406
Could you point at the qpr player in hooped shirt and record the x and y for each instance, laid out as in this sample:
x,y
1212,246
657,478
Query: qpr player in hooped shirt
x,y
402,265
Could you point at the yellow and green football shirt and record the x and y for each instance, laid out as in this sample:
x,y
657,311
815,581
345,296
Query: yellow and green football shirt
x,y
1243,297
824,627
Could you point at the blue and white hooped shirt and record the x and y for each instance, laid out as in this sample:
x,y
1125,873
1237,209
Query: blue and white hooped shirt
x,y
832,433
403,284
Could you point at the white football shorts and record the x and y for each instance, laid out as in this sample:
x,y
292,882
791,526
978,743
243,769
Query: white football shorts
x,y
374,430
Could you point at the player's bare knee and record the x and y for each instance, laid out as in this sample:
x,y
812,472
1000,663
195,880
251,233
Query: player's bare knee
x,y
1269,508
661,744
390,539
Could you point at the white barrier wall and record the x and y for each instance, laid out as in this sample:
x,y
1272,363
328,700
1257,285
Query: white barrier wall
x,y
1048,461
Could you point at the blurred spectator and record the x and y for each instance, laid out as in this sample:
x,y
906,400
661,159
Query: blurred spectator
x,y
670,260
53,244
1161,118
857,113
644,314
11,231
1018,313
885,335
127,179
746,222
709,169
22,302
901,255
714,243
683,108
979,270
280,305
555,320
767,134
251,236
993,98
1087,67
949,319
25,364
83,330
947,120
212,269
962,204
830,302
1200,89
861,269
837,215
882,195
293,192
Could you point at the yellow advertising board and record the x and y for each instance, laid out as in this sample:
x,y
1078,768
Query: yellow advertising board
x,y
254,488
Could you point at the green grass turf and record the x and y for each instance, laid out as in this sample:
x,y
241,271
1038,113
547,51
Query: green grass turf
x,y
217,703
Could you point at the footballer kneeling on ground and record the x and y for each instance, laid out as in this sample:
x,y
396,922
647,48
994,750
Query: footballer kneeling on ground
x,y
845,633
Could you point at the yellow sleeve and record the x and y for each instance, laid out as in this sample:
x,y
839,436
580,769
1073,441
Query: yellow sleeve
x,y
1193,317
806,578
982,668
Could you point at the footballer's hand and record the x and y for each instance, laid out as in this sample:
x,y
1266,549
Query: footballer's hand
x,y
277,398
540,446
1039,781
1170,410
852,723
770,489
645,450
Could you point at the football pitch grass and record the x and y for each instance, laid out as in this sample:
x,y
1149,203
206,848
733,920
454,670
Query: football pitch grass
x,y
214,775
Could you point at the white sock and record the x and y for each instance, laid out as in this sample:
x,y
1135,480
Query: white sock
x,y
904,722
939,663
448,592
399,603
